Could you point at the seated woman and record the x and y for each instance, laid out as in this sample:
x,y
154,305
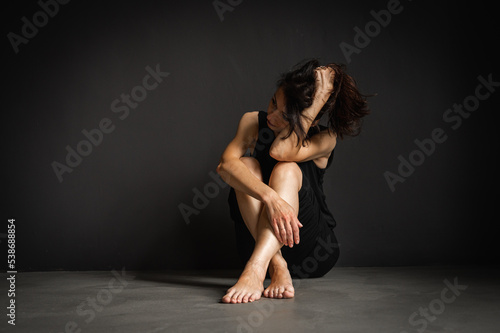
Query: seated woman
x,y
276,199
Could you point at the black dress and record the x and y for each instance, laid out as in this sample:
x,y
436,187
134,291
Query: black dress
x,y
318,250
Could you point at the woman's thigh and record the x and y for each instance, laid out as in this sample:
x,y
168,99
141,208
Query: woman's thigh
x,y
248,206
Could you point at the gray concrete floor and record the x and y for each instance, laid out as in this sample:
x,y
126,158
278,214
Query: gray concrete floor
x,y
389,299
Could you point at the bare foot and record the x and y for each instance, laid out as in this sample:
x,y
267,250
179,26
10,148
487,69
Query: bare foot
x,y
281,283
249,286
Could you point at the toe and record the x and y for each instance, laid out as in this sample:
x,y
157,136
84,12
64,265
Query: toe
x,y
289,292
281,291
255,297
227,298
239,296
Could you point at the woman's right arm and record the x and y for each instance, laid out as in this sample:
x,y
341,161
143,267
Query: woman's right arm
x,y
233,171
282,216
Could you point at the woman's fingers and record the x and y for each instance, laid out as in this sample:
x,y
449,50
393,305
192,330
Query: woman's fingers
x,y
283,232
289,231
285,224
284,235
277,232
289,234
296,232
324,76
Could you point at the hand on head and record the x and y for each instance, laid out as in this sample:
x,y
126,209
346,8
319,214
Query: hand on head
x,y
324,80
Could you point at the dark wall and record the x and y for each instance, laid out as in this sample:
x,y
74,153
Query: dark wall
x,y
149,158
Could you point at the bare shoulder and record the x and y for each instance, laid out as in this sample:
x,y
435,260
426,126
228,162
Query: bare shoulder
x,y
250,118
248,129
249,124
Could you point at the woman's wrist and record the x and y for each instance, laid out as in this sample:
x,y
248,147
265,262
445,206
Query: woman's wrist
x,y
318,103
321,98
269,196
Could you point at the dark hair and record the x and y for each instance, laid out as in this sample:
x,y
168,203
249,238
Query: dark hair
x,y
345,108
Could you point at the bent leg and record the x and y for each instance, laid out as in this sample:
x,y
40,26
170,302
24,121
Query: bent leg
x,y
286,180
250,208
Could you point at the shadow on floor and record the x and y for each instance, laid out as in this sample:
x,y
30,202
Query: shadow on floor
x,y
209,279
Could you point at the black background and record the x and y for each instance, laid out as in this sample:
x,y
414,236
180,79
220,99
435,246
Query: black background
x,y
120,206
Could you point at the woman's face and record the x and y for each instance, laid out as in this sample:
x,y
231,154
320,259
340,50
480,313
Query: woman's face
x,y
276,112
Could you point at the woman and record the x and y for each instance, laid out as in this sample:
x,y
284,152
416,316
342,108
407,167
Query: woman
x,y
282,222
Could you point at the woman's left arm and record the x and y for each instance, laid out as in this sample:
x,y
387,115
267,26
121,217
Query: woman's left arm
x,y
322,143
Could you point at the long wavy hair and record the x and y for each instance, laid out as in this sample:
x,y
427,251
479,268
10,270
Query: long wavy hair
x,y
344,109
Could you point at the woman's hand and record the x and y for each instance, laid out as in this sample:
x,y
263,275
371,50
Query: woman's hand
x,y
283,220
324,83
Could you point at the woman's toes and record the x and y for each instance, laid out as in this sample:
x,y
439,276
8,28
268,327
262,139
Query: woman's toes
x,y
228,296
279,292
288,294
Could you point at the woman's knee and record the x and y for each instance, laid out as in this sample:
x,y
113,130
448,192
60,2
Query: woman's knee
x,y
253,165
287,170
